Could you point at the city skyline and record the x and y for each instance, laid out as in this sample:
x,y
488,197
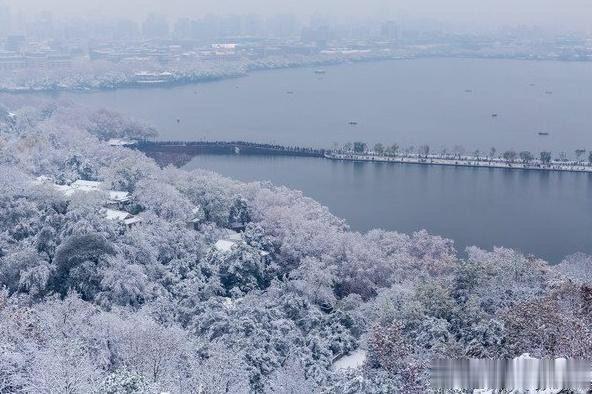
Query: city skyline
x,y
459,14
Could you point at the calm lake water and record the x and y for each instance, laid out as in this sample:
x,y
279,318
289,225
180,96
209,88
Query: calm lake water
x,y
410,102
543,213
441,102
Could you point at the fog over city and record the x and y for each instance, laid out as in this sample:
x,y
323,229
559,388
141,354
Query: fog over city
x,y
552,14
295,196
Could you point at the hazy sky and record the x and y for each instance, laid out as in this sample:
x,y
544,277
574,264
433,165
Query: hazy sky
x,y
548,13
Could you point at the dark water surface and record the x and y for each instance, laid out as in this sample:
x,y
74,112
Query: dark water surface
x,y
441,102
543,213
410,102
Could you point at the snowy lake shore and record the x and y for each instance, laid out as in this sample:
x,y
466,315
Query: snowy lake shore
x,y
465,161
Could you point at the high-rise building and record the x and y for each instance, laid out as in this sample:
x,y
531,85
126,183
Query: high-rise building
x,y
5,19
125,29
230,26
253,25
209,27
42,27
15,42
182,30
318,35
283,25
155,26
390,31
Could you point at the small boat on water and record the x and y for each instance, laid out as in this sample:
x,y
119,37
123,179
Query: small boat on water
x,y
178,120
494,115
290,92
468,91
549,92
353,123
543,133
320,72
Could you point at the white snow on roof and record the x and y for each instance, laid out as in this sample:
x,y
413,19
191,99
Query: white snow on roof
x,y
94,186
118,196
86,185
235,237
121,216
78,186
224,245
120,142
83,186
133,220
85,189
353,360
113,214
67,190
227,244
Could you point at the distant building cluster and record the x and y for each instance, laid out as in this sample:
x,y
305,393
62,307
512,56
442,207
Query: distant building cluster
x,y
48,41
41,59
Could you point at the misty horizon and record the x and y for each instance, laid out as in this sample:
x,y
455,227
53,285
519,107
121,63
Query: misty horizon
x,y
571,15
295,196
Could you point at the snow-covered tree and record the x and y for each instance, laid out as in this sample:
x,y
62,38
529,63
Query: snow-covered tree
x,y
90,304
